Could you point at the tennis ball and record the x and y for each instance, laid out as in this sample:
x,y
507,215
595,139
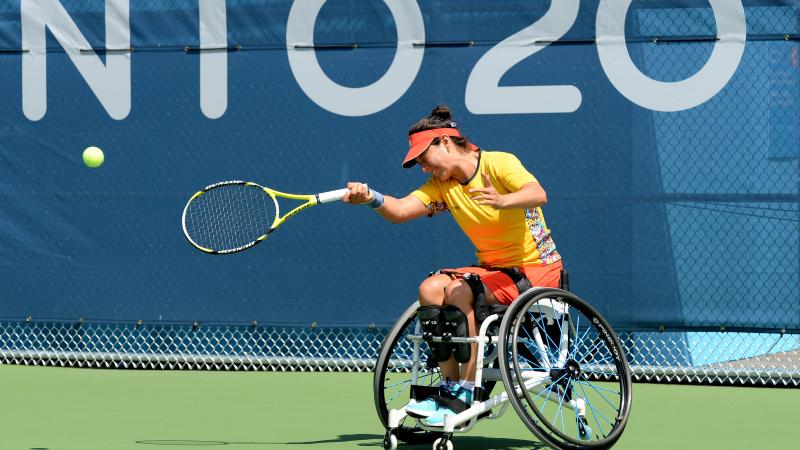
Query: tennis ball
x,y
93,157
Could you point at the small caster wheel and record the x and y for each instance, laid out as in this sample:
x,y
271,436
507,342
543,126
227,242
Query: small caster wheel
x,y
443,443
389,441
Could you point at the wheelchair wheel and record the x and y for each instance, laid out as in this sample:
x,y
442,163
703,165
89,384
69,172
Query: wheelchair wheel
x,y
565,370
392,380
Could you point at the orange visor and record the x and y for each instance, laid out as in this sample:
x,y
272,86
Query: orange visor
x,y
419,142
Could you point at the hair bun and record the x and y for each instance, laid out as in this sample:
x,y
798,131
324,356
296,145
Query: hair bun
x,y
442,112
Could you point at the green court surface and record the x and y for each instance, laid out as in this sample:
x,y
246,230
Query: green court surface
x,y
81,409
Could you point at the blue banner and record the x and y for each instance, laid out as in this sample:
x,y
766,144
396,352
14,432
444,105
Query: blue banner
x,y
665,134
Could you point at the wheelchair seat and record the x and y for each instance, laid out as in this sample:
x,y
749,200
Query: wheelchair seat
x,y
483,311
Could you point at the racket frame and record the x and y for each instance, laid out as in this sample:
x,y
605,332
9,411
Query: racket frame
x,y
310,200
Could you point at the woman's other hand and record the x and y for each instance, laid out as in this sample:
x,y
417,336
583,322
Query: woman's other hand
x,y
488,195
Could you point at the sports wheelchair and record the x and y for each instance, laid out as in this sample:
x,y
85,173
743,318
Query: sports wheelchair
x,y
562,368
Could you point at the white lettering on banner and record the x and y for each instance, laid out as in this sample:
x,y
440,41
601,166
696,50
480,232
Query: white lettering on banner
x,y
213,58
678,95
110,83
361,101
485,96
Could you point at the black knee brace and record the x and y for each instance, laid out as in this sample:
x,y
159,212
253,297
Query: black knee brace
x,y
478,296
432,324
455,325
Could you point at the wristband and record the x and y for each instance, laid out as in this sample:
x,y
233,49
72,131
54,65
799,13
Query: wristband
x,y
377,199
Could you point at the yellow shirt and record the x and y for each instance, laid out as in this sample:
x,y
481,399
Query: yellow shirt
x,y
503,238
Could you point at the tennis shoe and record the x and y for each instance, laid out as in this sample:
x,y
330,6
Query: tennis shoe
x,y
437,419
425,408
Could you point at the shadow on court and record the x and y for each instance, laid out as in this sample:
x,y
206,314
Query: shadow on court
x,y
365,440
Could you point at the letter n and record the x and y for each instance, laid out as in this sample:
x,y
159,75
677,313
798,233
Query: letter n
x,y
110,82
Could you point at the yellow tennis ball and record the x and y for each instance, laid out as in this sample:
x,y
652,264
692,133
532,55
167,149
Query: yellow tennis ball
x,y
93,157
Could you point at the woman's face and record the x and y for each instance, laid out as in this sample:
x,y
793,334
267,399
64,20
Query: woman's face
x,y
434,160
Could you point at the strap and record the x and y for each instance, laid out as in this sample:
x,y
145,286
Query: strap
x,y
449,400
420,393
518,277
478,296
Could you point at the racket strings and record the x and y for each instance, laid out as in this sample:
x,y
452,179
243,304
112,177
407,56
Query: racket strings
x,y
229,217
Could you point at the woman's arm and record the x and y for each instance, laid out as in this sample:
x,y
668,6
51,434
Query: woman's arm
x,y
395,210
530,195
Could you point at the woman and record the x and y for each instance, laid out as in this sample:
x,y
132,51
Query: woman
x,y
497,203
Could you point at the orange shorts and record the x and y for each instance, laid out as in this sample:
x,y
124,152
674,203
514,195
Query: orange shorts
x,y
503,287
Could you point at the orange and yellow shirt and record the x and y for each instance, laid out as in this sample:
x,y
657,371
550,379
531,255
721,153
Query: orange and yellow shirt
x,y
503,238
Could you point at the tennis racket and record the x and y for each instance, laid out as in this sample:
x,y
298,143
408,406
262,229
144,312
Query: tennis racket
x,y
231,216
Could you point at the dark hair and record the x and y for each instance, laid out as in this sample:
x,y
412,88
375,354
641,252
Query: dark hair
x,y
440,117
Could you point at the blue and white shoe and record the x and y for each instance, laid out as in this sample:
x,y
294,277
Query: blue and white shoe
x,y
425,408
437,419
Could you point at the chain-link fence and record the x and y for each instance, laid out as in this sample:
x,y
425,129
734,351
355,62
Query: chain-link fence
x,y
768,359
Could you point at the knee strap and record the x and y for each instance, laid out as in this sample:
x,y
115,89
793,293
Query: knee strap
x,y
432,324
455,325
478,296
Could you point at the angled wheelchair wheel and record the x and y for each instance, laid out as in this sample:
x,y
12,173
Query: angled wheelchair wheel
x,y
393,371
565,370
393,375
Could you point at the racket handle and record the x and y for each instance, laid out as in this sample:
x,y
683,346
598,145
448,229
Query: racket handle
x,y
331,196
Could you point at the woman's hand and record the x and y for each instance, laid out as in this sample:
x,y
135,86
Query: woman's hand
x,y
488,195
358,195
530,195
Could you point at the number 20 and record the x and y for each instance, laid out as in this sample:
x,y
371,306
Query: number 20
x,y
483,94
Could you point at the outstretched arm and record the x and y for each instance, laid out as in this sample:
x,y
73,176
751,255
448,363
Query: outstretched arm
x,y
395,210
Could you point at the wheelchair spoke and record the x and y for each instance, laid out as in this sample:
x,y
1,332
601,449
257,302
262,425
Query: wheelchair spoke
x,y
578,341
575,327
539,325
534,365
395,396
547,392
560,410
596,413
601,431
542,323
533,344
593,348
616,410
546,397
595,388
387,386
529,344
611,391
575,409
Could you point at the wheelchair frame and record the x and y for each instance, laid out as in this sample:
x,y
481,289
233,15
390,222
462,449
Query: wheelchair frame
x,y
537,381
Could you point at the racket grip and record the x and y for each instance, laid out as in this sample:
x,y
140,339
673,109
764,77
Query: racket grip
x,y
331,196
